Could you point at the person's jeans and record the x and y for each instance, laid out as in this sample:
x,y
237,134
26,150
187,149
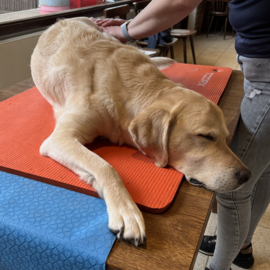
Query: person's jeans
x,y
239,212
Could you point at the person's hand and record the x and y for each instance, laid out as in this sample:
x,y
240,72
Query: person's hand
x,y
116,32
112,27
108,22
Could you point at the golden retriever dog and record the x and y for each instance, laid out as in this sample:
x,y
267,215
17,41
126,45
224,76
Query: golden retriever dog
x,y
100,87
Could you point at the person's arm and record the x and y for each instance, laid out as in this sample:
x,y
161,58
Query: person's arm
x,y
160,15
156,17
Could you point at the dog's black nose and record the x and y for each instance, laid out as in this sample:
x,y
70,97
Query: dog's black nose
x,y
243,176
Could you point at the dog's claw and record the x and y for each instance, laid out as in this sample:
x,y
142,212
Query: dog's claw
x,y
126,220
144,240
118,233
136,242
121,232
133,241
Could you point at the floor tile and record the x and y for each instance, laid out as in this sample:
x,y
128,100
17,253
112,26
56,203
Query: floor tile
x,y
205,61
265,221
227,56
238,68
229,64
210,54
211,228
201,262
261,247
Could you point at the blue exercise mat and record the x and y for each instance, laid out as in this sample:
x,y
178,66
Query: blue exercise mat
x,y
49,228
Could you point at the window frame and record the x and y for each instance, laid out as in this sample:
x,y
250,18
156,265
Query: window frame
x,y
29,25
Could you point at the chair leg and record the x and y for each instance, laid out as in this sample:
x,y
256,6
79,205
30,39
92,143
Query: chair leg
x,y
172,53
225,29
165,52
216,26
192,49
185,49
222,30
210,25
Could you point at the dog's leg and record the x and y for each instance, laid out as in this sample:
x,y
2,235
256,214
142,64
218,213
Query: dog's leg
x,y
65,145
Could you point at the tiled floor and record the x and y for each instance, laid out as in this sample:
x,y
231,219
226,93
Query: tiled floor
x,y
210,51
218,52
260,242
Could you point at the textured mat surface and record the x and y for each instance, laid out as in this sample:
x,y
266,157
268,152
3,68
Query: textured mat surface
x,y
207,80
26,120
46,227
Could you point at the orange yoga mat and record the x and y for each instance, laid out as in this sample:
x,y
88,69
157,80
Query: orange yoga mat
x,y
26,120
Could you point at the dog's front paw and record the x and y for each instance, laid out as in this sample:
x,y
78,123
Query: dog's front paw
x,y
126,221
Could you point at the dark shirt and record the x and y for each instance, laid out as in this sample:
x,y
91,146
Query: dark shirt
x,y
251,21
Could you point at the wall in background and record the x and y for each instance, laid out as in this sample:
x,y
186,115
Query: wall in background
x,y
15,55
15,5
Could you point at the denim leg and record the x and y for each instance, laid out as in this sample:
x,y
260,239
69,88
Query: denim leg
x,y
260,200
239,211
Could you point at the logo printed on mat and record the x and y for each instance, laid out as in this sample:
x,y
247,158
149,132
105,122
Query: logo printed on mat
x,y
205,79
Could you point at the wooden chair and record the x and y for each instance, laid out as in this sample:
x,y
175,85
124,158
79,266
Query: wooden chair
x,y
119,11
220,8
138,7
184,34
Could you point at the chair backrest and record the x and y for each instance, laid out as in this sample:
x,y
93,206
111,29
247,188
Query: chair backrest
x,y
139,6
119,11
220,5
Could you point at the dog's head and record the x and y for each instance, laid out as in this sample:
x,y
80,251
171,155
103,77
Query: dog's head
x,y
189,135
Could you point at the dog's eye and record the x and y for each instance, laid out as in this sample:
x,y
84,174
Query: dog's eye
x,y
208,137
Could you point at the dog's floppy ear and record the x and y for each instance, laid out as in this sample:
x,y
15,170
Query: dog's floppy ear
x,y
150,131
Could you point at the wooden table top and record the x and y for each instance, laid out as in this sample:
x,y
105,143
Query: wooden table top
x,y
174,237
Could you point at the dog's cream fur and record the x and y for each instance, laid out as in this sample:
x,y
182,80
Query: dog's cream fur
x,y
100,87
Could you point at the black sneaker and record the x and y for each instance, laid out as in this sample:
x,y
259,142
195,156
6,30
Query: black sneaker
x,y
244,259
208,245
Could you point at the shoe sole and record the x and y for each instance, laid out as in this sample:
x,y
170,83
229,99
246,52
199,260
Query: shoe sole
x,y
206,253
245,265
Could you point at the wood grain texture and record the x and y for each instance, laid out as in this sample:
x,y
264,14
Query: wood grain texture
x,y
174,237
